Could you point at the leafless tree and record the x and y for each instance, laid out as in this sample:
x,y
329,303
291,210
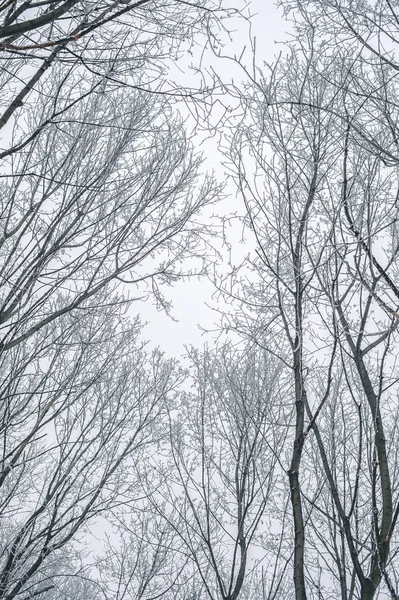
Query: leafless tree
x,y
76,409
320,194
145,559
97,172
100,194
223,468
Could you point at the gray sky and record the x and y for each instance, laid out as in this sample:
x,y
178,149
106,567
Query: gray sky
x,y
190,298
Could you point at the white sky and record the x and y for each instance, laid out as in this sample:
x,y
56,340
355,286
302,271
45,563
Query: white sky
x,y
190,298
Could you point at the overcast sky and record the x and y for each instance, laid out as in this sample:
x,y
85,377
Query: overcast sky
x,y
190,298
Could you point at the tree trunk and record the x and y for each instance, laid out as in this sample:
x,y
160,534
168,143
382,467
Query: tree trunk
x,y
367,590
293,474
296,502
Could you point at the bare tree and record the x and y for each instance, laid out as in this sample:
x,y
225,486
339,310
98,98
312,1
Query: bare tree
x,y
223,466
145,559
73,417
100,194
320,194
97,172
289,152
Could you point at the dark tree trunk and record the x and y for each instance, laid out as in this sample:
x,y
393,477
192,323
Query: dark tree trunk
x,y
367,590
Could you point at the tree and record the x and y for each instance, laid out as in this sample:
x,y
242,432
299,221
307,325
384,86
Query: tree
x,y
99,189
145,560
319,183
101,192
223,467
69,218
73,418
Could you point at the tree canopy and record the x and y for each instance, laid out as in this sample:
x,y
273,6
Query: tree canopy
x,y
265,464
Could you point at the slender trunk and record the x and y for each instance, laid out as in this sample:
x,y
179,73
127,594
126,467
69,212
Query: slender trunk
x,y
300,393
293,474
299,575
380,444
300,398
383,529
